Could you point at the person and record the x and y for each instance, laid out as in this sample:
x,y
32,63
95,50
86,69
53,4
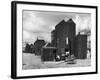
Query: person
x,y
57,58
67,53
88,54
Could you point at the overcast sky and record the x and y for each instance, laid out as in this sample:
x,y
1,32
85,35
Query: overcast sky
x,y
40,24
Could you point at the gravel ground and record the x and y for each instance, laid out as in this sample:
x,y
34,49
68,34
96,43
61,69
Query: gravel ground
x,y
30,61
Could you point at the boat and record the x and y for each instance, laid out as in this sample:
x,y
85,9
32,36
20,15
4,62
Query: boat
x,y
70,59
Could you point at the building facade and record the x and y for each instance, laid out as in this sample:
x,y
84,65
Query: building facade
x,y
63,36
38,44
80,44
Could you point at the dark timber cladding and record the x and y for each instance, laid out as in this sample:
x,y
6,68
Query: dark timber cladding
x,y
62,31
80,46
38,46
48,54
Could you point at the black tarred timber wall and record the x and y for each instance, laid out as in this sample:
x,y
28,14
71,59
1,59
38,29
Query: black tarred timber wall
x,y
48,54
80,44
38,44
63,30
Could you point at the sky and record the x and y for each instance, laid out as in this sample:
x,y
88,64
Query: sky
x,y
39,24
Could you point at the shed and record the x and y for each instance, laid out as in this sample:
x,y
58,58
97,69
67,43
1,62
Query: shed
x,y
48,53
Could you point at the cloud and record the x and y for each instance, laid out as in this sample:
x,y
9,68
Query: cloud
x,y
31,22
40,24
83,21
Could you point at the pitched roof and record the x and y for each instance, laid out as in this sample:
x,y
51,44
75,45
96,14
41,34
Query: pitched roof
x,y
70,21
61,22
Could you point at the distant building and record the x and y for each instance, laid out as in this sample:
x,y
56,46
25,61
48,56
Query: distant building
x,y
38,44
27,47
23,46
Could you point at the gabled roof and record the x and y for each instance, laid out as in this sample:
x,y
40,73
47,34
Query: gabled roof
x,y
61,22
70,21
48,45
39,41
64,22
